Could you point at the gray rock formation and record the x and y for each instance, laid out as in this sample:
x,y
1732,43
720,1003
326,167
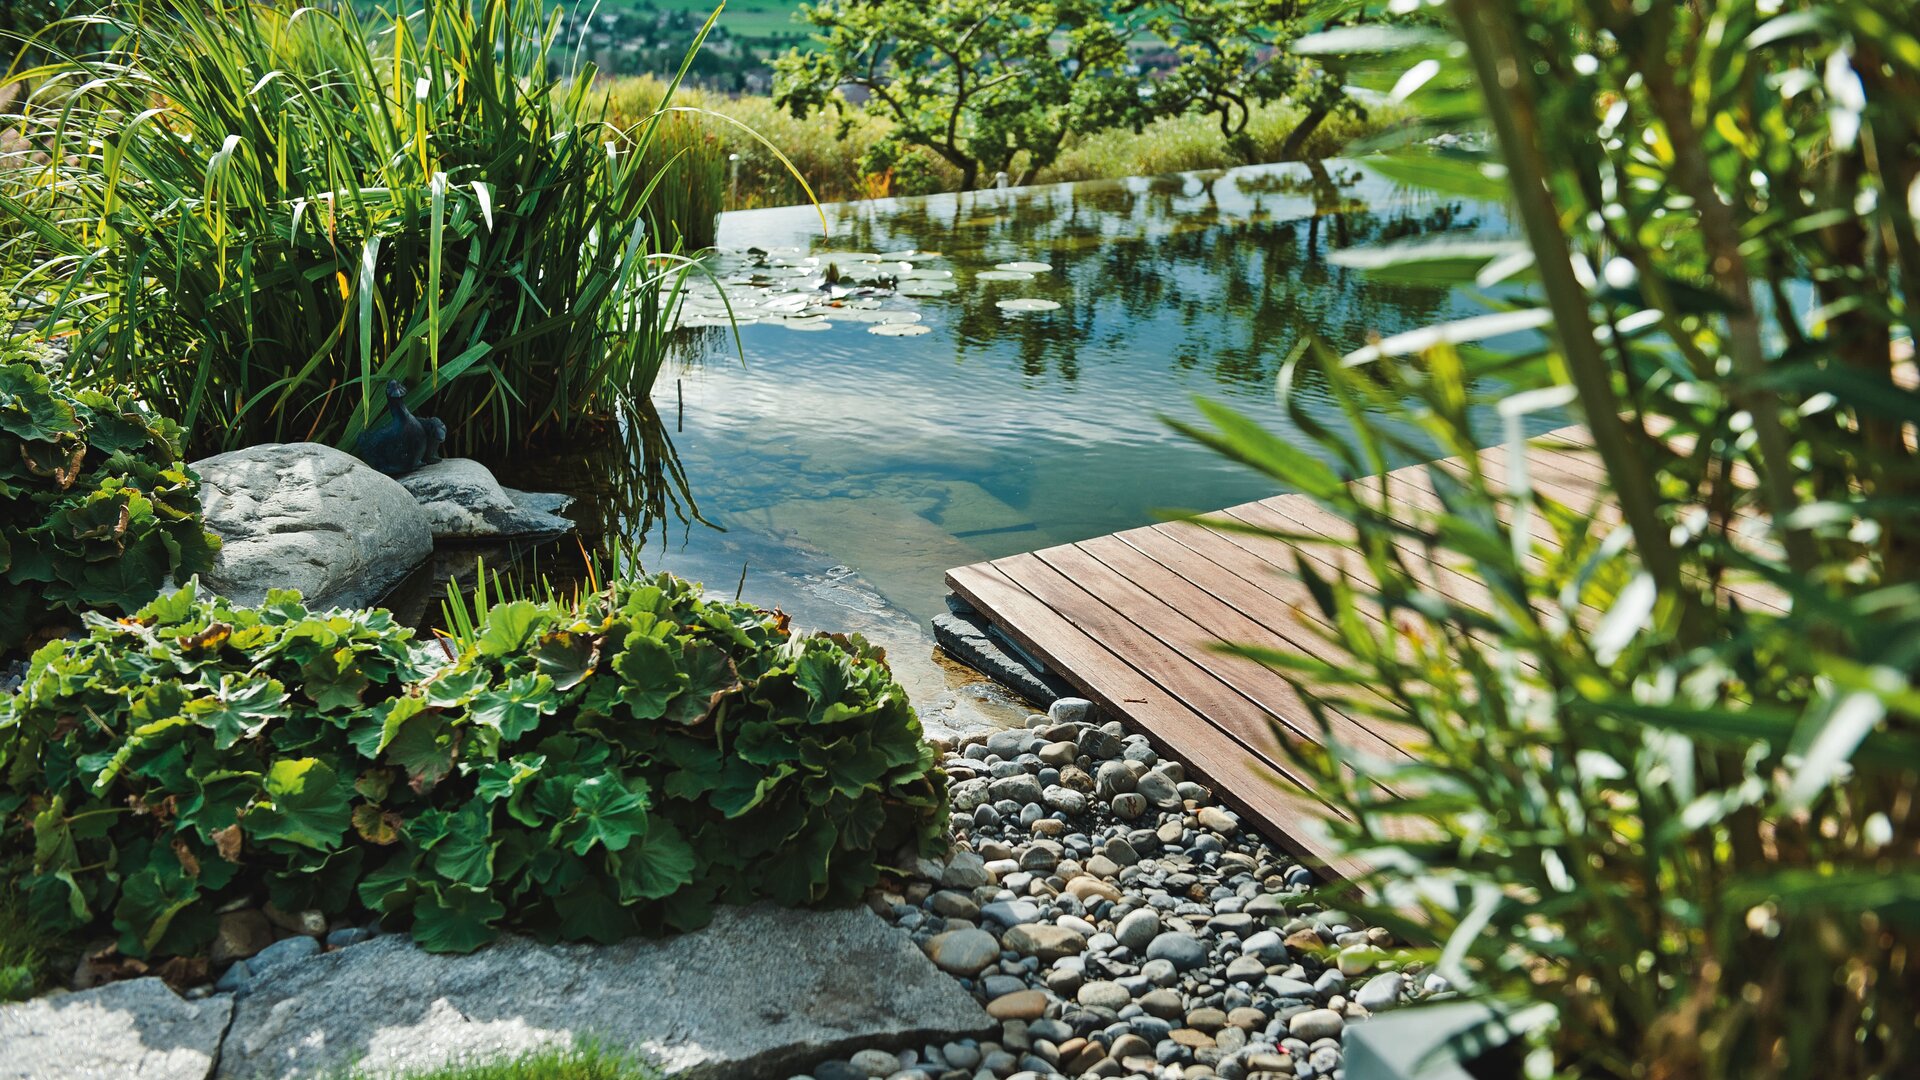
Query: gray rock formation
x,y
463,501
137,1030
308,517
762,991
968,639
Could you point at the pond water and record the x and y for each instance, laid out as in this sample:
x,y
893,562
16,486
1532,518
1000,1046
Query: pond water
x,y
850,469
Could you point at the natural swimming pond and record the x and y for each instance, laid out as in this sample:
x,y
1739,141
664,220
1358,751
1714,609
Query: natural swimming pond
x,y
849,469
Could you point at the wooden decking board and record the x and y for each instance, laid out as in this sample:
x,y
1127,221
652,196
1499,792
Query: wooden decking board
x,y
1181,568
1109,574
1242,781
1205,689
1592,495
1303,515
1134,621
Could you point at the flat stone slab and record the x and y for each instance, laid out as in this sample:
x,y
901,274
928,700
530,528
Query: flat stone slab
x,y
763,990
135,1030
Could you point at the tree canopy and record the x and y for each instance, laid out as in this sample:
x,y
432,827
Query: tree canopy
x,y
988,84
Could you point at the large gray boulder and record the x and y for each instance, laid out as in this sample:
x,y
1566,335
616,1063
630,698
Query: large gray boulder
x,y
137,1030
308,517
463,501
762,991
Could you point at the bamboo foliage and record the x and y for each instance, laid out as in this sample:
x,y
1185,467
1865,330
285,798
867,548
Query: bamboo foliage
x,y
1663,806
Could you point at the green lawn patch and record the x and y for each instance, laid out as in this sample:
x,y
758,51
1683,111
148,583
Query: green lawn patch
x,y
579,1063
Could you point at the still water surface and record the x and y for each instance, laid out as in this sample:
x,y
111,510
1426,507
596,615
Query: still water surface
x,y
849,470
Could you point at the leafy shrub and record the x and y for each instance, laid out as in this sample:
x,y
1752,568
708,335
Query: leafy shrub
x,y
22,957
96,509
300,206
580,772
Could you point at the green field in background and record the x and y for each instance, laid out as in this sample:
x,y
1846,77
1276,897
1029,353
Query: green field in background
x,y
742,18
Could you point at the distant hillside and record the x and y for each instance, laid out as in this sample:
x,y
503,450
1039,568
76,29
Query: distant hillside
x,y
650,37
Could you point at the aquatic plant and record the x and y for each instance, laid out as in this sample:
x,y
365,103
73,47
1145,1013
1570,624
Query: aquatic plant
x,y
255,217
1659,801
580,771
96,510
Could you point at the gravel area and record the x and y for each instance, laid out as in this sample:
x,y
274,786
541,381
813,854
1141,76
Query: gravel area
x,y
1117,921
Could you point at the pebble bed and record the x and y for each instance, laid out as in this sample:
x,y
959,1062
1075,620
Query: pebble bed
x,y
1115,921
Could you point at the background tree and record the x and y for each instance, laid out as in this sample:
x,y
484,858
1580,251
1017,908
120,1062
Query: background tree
x,y
978,82
1233,56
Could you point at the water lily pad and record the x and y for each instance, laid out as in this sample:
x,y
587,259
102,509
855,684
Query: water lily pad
x,y
871,271
898,256
1025,267
925,288
900,316
810,322
848,314
1027,303
918,274
900,329
846,256
696,321
1003,275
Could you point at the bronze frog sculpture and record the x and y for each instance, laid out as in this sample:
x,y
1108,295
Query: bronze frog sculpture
x,y
402,442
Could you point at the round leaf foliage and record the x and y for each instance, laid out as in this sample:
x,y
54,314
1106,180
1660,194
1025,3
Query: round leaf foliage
x,y
581,771
96,510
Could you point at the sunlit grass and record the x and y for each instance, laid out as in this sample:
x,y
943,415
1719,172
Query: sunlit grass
x,y
1183,143
827,150
579,1063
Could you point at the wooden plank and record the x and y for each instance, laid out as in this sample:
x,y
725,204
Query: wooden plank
x,y
1594,499
1172,610
1135,621
1299,514
1280,808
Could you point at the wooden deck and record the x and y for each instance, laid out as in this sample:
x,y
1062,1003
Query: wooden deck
x,y
1132,621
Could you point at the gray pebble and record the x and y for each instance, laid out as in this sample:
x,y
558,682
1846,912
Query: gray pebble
x,y
1069,710
1138,929
1184,951
284,951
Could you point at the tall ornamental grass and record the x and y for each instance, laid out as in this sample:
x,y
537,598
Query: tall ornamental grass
x,y
686,162
1664,737
255,215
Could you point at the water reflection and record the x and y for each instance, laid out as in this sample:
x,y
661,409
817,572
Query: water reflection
x,y
847,471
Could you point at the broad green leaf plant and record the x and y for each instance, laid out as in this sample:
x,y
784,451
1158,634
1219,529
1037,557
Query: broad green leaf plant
x,y
1664,740
583,771
97,512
